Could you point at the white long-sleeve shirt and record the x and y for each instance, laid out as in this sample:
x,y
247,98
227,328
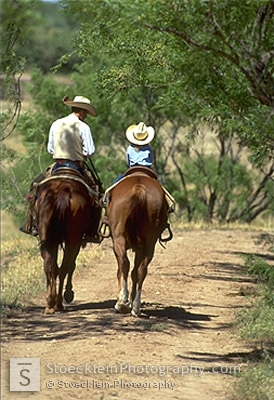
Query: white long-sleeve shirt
x,y
70,138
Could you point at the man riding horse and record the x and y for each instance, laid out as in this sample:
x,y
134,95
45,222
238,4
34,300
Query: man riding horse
x,y
71,144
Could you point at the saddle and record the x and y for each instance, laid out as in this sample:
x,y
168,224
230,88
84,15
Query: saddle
x,y
67,170
141,170
104,230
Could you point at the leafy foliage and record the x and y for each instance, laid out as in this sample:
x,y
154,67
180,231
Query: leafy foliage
x,y
15,15
203,57
256,382
52,36
258,267
182,67
189,63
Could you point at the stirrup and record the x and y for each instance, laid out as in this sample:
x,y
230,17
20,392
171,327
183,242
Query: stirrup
x,y
32,232
168,238
93,239
104,230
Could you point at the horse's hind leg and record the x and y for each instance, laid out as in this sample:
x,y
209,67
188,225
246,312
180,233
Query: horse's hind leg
x,y
69,293
122,305
67,268
51,271
138,275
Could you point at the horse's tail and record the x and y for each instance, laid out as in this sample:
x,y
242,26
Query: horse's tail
x,y
56,229
62,205
137,213
60,214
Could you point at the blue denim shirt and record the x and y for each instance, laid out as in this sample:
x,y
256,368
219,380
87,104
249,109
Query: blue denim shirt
x,y
139,155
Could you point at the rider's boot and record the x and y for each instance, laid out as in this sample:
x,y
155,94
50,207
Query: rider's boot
x,y
92,234
29,227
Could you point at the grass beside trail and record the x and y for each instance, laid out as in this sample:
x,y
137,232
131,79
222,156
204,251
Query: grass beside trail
x,y
256,326
22,273
22,276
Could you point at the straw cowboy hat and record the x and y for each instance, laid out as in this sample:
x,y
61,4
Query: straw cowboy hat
x,y
80,102
140,134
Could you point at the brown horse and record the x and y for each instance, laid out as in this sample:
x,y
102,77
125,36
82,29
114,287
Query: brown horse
x,y
137,216
65,210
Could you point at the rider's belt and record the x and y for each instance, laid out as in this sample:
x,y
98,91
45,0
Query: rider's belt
x,y
78,163
73,164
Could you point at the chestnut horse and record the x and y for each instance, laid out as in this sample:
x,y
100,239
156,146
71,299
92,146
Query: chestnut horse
x,y
65,209
137,216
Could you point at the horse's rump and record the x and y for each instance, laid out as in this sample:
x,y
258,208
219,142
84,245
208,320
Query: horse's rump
x,y
139,209
63,211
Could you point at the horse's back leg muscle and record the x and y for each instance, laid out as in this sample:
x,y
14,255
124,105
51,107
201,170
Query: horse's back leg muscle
x,y
119,246
67,268
138,275
51,272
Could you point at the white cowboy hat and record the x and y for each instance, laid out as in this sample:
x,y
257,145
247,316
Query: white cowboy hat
x,y
140,134
81,102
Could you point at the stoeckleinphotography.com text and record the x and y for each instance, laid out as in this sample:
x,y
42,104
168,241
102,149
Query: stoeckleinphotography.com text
x,y
144,369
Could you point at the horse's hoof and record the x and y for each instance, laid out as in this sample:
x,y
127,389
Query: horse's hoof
x,y
135,313
49,310
123,308
69,296
59,308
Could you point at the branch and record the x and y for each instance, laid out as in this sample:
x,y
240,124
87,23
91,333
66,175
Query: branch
x,y
259,210
13,180
182,177
13,120
260,81
191,42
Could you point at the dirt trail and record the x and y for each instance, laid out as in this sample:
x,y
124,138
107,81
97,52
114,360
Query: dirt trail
x,y
181,348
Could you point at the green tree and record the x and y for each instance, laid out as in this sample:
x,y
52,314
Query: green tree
x,y
168,64
17,18
52,38
196,61
206,58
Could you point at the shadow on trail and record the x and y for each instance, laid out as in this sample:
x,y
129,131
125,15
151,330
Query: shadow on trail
x,y
80,321
176,314
94,319
232,360
103,305
213,357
